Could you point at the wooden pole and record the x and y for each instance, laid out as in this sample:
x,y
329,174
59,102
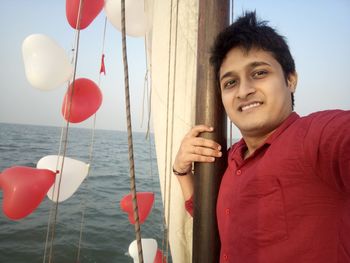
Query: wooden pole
x,y
213,17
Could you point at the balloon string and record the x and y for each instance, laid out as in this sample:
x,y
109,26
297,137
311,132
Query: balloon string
x,y
90,155
54,221
53,190
130,143
103,69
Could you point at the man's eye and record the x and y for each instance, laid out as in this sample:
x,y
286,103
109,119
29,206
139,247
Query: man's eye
x,y
229,84
259,74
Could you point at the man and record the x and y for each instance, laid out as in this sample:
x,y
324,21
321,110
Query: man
x,y
285,194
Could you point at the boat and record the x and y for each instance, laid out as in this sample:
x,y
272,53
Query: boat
x,y
176,77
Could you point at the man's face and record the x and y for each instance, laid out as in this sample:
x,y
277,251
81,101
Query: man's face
x,y
254,91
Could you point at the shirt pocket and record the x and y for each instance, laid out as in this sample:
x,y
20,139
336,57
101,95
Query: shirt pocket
x,y
262,213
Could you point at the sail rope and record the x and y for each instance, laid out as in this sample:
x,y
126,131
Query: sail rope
x,y
170,160
64,138
149,89
165,226
146,93
144,97
130,141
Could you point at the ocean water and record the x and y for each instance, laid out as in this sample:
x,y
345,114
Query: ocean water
x,y
107,231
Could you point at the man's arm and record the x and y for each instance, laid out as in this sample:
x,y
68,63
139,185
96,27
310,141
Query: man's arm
x,y
331,159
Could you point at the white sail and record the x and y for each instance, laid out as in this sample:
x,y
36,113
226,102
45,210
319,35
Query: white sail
x,y
173,82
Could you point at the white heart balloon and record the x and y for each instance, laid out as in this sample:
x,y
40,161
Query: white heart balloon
x,y
136,19
149,250
74,173
46,64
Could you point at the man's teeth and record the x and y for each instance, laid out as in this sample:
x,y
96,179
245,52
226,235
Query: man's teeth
x,y
256,104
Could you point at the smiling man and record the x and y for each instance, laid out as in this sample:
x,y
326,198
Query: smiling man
x,y
255,93
285,194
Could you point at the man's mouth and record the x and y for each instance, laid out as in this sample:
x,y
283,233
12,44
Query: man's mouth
x,y
250,106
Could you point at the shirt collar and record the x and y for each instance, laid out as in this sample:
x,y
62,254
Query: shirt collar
x,y
285,124
239,148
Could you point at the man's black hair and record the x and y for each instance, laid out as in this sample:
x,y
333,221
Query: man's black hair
x,y
247,33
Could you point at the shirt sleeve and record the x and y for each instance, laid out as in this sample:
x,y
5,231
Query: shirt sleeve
x,y
329,137
189,206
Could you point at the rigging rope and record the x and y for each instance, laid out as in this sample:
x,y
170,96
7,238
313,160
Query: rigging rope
x,y
130,142
165,226
149,87
170,160
146,86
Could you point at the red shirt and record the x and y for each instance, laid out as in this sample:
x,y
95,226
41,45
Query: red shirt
x,y
289,201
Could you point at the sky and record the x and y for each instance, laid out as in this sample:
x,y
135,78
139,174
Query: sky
x,y
317,32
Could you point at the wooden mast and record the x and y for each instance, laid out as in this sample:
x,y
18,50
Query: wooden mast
x,y
213,17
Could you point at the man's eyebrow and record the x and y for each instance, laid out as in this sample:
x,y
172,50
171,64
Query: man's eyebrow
x,y
258,63
250,66
227,74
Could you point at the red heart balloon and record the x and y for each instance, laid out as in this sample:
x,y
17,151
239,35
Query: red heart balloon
x,y
144,203
23,189
90,9
159,257
83,98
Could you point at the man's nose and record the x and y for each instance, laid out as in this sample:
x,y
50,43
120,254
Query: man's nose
x,y
245,88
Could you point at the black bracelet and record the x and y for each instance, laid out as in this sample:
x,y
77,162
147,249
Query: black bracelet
x,y
180,174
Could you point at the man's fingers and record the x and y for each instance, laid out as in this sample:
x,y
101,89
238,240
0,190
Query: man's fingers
x,y
196,130
202,158
206,151
202,142
196,149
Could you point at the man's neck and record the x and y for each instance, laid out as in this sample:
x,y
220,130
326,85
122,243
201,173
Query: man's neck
x,y
254,142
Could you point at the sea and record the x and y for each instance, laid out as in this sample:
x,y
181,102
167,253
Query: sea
x,y
107,232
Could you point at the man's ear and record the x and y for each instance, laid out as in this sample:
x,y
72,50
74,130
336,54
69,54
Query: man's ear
x,y
292,81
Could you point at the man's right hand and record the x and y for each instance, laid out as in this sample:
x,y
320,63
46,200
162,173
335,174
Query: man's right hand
x,y
196,149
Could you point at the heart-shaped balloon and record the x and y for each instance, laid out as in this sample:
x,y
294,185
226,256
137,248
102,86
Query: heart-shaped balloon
x,y
149,249
24,188
74,173
89,11
46,64
83,98
159,257
136,20
144,203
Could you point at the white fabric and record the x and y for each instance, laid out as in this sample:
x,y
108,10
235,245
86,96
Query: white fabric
x,y
183,84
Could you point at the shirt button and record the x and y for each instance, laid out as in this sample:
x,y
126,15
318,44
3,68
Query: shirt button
x,y
238,172
225,257
227,211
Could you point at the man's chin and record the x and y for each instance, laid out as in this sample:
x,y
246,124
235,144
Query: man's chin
x,y
250,129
